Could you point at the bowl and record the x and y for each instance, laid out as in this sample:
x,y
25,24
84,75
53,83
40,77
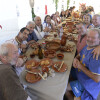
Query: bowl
x,y
52,45
49,53
60,56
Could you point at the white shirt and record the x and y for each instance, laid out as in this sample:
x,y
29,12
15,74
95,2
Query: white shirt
x,y
46,25
40,34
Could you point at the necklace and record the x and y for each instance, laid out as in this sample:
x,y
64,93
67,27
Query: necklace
x,y
17,40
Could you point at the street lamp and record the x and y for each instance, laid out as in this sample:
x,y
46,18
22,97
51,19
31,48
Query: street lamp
x,y
32,7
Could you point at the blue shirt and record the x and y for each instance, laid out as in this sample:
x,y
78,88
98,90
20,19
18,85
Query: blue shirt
x,y
93,65
32,36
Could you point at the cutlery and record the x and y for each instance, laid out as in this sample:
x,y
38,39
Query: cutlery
x,y
61,66
56,66
36,73
31,72
42,76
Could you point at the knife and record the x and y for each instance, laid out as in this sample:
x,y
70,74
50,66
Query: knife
x,y
61,65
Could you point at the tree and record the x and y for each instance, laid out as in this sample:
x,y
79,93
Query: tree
x,y
33,14
31,2
56,3
68,1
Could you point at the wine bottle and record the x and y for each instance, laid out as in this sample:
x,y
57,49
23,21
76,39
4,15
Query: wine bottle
x,y
40,54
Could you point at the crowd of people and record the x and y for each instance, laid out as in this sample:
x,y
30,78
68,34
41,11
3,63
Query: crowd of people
x,y
86,84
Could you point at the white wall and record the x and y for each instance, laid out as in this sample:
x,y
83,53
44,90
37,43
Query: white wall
x,y
39,8
8,17
23,12
14,14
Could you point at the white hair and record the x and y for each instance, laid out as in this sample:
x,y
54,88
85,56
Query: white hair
x,y
36,18
30,22
95,30
4,48
97,15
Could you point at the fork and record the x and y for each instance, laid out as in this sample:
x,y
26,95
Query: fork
x,y
56,65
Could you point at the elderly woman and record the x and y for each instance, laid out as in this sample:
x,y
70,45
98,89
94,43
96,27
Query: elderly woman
x,y
87,19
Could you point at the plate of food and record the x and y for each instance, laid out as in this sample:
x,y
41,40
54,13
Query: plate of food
x,y
68,48
70,37
59,66
53,45
70,23
46,62
49,53
32,44
31,64
32,76
48,39
57,40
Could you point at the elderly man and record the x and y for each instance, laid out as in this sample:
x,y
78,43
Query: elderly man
x,y
96,21
40,33
88,69
10,86
32,36
82,30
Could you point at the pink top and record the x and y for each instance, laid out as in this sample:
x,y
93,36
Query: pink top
x,y
82,44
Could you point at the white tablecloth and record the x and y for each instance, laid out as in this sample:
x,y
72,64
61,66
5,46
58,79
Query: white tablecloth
x,y
54,87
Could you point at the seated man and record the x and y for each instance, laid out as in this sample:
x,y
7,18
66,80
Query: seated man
x,y
40,33
87,69
20,39
81,43
96,21
32,36
10,86
21,43
82,30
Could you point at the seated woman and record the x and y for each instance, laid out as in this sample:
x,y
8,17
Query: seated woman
x,y
63,16
58,17
67,13
48,24
87,19
54,19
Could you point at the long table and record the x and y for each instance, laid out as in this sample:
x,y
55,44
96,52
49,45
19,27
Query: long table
x,y
54,87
